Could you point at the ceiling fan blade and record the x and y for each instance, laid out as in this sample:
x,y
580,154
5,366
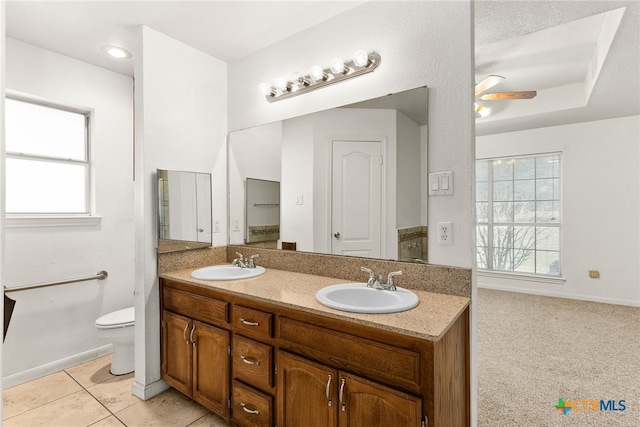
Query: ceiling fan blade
x,y
487,83
508,95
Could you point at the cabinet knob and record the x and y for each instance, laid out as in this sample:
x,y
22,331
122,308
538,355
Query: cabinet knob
x,y
328,390
336,234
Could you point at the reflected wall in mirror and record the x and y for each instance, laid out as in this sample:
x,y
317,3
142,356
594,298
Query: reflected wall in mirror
x,y
353,179
184,210
262,209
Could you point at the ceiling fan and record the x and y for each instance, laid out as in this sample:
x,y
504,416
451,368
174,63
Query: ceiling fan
x,y
486,84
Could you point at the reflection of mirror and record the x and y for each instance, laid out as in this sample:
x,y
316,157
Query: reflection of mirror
x,y
353,179
262,208
184,210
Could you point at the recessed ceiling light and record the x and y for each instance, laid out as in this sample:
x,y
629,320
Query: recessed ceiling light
x,y
116,51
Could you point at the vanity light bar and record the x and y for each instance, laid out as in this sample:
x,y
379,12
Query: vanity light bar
x,y
338,71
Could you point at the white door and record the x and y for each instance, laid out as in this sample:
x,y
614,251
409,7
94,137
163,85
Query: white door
x,y
356,188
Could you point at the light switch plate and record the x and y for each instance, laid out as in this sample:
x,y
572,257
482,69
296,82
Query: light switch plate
x,y
441,183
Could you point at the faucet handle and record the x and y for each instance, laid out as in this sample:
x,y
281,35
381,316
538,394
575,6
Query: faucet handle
x,y
368,270
372,276
390,283
240,257
251,264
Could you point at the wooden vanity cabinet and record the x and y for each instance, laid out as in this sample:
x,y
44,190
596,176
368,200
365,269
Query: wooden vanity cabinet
x,y
311,394
291,368
195,354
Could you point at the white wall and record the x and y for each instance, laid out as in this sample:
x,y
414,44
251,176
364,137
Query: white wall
x,y
408,175
56,325
181,118
298,181
600,228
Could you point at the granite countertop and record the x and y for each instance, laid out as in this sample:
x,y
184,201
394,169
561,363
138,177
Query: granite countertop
x,y
430,319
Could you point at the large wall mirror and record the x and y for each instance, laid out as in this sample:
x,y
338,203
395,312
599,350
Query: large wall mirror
x,y
184,210
353,179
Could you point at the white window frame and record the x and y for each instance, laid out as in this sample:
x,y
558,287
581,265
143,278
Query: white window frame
x,y
529,276
52,219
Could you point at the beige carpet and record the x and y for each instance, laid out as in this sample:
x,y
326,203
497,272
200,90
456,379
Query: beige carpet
x,y
533,350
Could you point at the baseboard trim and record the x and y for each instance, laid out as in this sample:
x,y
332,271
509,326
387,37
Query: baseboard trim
x,y
146,392
55,366
543,293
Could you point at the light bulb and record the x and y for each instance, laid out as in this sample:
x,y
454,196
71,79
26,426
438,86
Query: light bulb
x,y
361,58
337,66
482,111
281,83
317,73
299,79
266,89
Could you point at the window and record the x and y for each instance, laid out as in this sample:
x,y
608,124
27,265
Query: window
x,y
518,214
47,166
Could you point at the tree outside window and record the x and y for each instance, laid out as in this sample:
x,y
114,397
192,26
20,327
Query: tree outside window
x,y
518,214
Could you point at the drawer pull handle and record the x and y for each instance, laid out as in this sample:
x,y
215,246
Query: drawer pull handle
x,y
249,323
341,395
191,335
249,361
328,390
184,333
247,410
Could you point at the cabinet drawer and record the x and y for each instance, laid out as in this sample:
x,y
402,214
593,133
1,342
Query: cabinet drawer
x,y
207,310
252,323
251,407
394,365
252,362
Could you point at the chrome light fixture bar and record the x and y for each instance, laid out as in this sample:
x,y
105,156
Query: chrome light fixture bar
x,y
339,71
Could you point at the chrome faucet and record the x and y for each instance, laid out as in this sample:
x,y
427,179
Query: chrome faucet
x,y
390,285
240,261
373,281
243,262
377,282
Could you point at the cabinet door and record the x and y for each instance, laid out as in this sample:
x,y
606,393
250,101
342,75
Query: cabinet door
x,y
306,393
211,368
176,351
364,403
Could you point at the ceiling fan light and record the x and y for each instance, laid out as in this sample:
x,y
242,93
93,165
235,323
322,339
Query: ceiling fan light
x,y
482,111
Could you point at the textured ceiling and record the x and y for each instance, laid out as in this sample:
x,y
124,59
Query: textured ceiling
x,y
535,45
543,46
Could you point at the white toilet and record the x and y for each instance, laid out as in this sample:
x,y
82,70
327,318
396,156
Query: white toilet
x,y
117,328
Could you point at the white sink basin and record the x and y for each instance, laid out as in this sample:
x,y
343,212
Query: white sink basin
x,y
358,298
226,272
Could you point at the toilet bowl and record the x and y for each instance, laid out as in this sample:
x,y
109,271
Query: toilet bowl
x,y
118,328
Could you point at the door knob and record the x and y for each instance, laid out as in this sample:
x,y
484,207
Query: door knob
x,y
336,234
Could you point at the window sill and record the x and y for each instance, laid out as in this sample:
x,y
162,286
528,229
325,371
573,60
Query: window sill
x,y
51,221
520,276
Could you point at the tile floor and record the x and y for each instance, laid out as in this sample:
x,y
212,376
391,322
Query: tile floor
x,y
88,395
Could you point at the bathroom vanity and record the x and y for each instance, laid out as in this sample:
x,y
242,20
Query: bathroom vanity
x,y
263,352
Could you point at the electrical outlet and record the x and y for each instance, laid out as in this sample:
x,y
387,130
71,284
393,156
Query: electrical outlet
x,y
445,233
